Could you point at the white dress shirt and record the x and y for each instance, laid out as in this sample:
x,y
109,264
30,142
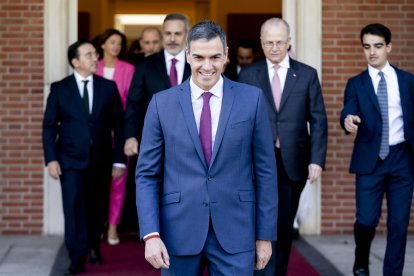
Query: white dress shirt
x,y
215,105
180,57
80,82
282,72
215,108
108,72
395,115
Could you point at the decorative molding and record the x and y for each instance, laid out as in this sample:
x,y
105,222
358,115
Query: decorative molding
x,y
305,20
60,30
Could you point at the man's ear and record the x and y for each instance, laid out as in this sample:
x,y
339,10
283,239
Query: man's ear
x,y
389,47
187,55
75,62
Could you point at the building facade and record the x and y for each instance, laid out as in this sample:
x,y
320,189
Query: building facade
x,y
34,38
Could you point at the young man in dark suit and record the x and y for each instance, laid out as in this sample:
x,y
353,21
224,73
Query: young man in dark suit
x,y
379,109
83,141
299,126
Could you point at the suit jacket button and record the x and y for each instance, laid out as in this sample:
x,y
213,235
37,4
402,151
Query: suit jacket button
x,y
210,178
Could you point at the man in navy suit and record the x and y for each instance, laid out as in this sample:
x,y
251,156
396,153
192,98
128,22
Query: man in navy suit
x,y
379,109
83,142
152,75
299,125
206,176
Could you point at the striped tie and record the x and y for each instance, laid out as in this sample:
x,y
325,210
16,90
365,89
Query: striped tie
x,y
383,103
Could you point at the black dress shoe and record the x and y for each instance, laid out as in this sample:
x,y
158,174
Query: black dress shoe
x,y
75,269
361,272
95,257
295,234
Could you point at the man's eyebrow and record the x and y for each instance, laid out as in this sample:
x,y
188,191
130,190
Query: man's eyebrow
x,y
375,44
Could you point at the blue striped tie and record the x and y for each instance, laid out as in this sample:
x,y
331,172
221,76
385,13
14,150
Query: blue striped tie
x,y
383,103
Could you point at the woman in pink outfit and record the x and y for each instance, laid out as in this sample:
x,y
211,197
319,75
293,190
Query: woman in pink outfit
x,y
111,47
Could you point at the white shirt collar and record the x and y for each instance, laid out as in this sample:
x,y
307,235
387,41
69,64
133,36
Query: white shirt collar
x,y
216,90
180,56
80,78
373,72
284,63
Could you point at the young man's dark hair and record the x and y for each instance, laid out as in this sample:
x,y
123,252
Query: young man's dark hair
x,y
377,29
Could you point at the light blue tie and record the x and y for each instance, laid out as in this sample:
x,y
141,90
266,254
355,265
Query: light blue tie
x,y
383,103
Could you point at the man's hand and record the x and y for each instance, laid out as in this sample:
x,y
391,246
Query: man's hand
x,y
131,147
53,168
156,253
263,253
351,123
117,172
314,172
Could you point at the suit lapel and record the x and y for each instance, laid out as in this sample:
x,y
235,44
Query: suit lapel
x,y
263,78
403,86
73,88
369,88
292,76
226,105
184,96
161,68
96,99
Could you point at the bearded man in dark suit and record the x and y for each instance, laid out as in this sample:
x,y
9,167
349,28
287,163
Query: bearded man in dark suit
x,y
153,74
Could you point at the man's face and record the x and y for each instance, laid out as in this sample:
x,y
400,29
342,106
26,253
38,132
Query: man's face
x,y
245,56
174,36
150,42
206,59
375,50
275,42
87,63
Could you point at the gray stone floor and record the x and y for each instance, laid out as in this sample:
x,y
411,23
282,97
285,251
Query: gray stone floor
x,y
22,256
339,250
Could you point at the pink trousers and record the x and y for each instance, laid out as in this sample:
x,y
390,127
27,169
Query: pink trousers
x,y
117,197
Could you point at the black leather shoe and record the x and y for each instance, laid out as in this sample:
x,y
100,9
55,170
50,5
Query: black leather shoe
x,y
361,272
95,257
75,269
295,234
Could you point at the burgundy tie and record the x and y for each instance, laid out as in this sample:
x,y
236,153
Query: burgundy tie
x,y
173,73
205,127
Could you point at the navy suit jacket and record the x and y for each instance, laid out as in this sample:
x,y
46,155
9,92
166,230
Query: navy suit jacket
x,y
177,193
360,99
301,122
73,137
150,77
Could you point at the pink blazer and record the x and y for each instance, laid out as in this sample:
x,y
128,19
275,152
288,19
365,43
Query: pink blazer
x,y
122,76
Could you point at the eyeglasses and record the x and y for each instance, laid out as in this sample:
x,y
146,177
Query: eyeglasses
x,y
91,55
279,44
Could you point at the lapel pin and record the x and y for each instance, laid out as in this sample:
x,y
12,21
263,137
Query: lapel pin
x,y
294,75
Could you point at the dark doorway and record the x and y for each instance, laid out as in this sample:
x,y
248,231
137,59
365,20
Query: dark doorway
x,y
246,26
